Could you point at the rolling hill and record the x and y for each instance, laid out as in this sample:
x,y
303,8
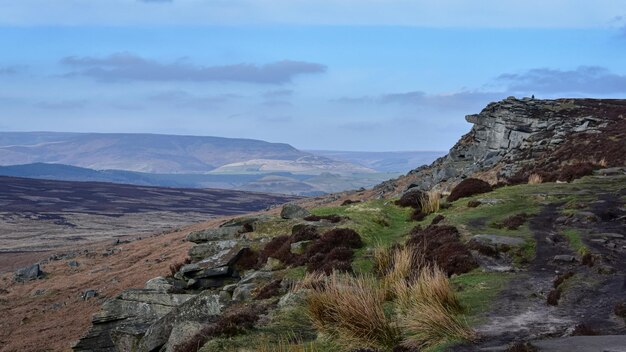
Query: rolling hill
x,y
151,153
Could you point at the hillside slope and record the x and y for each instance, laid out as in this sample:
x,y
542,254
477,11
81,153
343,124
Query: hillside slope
x,y
139,152
519,265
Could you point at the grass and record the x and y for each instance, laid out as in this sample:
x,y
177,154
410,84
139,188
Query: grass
x,y
431,287
295,273
535,179
477,290
575,241
428,324
431,202
379,222
352,310
419,310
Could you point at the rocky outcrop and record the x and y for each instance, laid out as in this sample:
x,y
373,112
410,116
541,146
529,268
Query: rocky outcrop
x,y
129,314
514,135
32,272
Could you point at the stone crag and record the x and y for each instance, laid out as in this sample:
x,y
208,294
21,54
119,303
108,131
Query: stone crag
x,y
513,137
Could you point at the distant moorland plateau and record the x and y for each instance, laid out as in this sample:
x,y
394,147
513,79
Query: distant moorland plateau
x,y
197,162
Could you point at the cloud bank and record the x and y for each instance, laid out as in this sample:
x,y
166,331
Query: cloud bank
x,y
583,80
130,67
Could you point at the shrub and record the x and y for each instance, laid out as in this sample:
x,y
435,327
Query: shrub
x,y
554,296
441,245
437,219
418,215
342,237
332,251
513,222
587,259
271,289
469,187
535,179
349,201
561,278
279,248
175,267
412,198
304,233
235,321
248,259
572,172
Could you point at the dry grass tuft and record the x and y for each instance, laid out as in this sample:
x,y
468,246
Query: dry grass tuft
x,y
431,202
430,287
383,258
427,324
352,310
535,179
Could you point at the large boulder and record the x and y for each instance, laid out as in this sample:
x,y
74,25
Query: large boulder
x,y
212,251
293,211
28,273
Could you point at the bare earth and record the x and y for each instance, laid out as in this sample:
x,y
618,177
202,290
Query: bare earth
x,y
82,221
46,315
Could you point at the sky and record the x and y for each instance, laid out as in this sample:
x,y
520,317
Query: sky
x,y
362,75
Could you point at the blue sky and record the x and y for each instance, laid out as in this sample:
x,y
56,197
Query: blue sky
x,y
350,75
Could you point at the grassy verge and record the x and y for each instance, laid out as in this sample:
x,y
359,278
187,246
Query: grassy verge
x,y
477,290
575,241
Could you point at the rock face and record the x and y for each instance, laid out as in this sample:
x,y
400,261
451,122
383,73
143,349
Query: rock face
x,y
125,318
512,135
170,310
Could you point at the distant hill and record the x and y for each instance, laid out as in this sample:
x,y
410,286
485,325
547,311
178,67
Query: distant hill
x,y
270,182
311,165
152,153
401,162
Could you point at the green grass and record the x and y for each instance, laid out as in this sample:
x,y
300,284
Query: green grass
x,y
575,241
477,291
295,273
379,222
526,253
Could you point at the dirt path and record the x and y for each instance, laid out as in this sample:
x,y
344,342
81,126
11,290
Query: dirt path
x,y
522,313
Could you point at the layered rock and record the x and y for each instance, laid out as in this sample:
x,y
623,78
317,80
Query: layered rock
x,y
513,135
171,310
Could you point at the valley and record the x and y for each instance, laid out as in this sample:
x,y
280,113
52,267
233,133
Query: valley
x,y
44,215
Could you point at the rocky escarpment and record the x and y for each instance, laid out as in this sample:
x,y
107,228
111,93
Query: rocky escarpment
x,y
514,137
225,272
